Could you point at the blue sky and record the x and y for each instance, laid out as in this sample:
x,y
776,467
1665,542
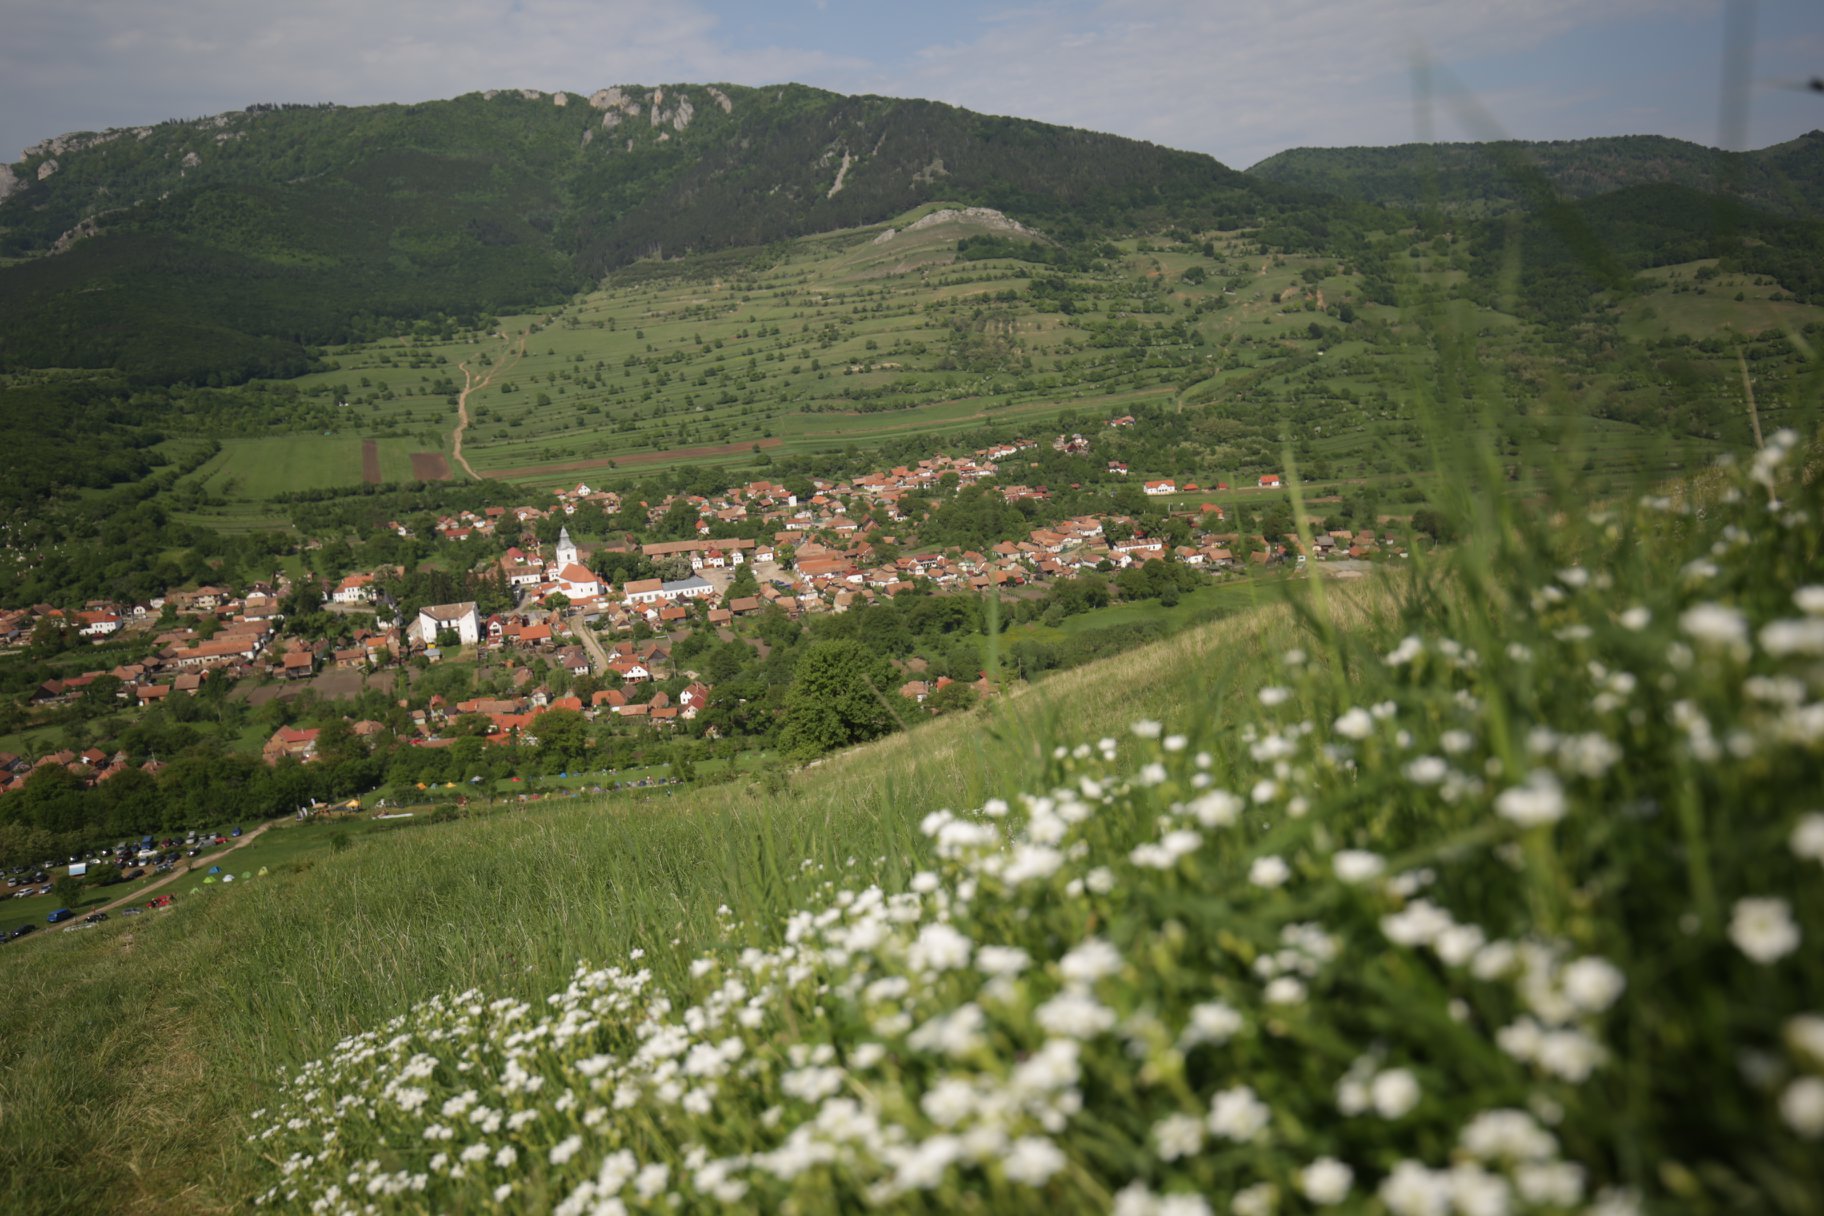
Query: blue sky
x,y
1237,80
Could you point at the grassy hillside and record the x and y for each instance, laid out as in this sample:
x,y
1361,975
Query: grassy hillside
x,y
218,248
170,1028
1494,177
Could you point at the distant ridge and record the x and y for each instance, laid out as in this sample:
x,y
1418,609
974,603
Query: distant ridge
x,y
1786,178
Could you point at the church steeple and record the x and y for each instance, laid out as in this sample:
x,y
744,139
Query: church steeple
x,y
566,548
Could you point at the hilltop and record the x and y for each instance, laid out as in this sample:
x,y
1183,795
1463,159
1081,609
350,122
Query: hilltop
x,y
227,245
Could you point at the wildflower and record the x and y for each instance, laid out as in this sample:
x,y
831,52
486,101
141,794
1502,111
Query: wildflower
x,y
1636,619
1269,872
1326,1181
1413,1190
1507,1135
565,1149
1356,724
1802,1106
1394,1093
1146,728
1075,1015
1274,695
1213,1022
1805,1034
1763,929
1476,1192
1550,1183
1032,1160
1178,1136
1593,984
1256,1200
1537,803
1090,961
1284,991
1216,809
1800,637
1357,865
1810,600
506,1158
1002,960
1236,1114
1715,625
939,948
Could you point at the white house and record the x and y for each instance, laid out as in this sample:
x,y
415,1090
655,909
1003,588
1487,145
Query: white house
x,y
1158,488
355,589
435,618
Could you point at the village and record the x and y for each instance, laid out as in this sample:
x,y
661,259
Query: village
x,y
572,639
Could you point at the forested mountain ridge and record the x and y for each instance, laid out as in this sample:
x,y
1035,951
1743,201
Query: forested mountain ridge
x,y
1786,178
225,246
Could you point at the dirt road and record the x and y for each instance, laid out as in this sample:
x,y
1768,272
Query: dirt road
x,y
469,384
139,897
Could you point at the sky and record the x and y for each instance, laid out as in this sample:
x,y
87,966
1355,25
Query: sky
x,y
1237,80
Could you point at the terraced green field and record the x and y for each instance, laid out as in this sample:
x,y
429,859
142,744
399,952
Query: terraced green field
x,y
853,339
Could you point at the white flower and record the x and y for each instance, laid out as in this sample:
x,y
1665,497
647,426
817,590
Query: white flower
x,y
1807,839
1426,770
1413,1190
1394,1093
1636,619
1802,1106
1182,1205
1236,1114
1178,1136
1135,1199
1476,1192
1326,1181
506,1157
1550,1183
939,948
1092,960
1785,638
1216,809
1810,599
1286,990
1274,695
565,1149
1763,929
1269,872
1001,960
1256,1200
1213,1022
1357,865
1145,728
1715,625
1805,1034
1507,1135
1357,724
1075,1015
1593,984
1537,803
1031,1160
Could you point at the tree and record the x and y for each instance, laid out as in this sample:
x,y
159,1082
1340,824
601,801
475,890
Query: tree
x,y
557,601
952,697
563,737
66,891
838,697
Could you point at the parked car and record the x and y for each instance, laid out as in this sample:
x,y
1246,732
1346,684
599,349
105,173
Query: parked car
x,y
21,931
94,918
59,916
236,832
132,911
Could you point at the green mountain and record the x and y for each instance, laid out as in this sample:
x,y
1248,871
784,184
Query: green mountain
x,y
1786,178
221,248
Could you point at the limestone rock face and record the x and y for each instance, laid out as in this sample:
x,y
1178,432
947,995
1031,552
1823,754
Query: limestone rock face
x,y
47,168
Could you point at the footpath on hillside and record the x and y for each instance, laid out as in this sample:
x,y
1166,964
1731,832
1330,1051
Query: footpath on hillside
x,y
470,384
